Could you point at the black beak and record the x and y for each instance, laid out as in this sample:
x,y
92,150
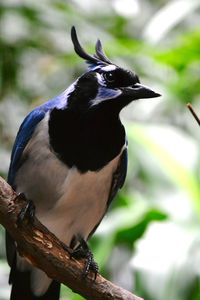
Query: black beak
x,y
139,91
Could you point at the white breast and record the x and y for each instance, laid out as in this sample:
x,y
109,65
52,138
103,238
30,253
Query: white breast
x,y
82,204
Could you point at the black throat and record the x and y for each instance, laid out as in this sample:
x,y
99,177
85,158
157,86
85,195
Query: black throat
x,y
86,140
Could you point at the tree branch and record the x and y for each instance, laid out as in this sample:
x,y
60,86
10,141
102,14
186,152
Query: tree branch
x,y
43,250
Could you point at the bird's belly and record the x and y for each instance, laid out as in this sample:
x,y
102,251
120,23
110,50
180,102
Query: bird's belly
x,y
82,204
68,203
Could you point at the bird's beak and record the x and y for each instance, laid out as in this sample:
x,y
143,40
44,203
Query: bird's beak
x,y
139,91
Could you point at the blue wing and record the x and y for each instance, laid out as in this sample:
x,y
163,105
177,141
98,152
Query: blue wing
x,y
26,130
119,176
24,134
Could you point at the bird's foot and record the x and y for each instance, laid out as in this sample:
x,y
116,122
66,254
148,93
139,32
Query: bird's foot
x,y
21,197
27,213
83,251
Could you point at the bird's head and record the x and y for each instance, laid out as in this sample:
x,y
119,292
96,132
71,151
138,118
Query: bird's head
x,y
105,82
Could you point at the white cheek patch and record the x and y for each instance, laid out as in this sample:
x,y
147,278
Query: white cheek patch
x,y
105,94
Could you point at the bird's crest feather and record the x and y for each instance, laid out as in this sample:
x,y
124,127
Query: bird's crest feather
x,y
96,60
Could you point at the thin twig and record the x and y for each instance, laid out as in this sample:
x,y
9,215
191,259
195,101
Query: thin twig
x,y
189,105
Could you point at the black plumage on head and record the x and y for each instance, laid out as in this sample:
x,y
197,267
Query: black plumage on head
x,y
100,53
99,58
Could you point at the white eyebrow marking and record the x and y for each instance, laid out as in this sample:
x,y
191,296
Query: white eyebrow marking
x,y
109,68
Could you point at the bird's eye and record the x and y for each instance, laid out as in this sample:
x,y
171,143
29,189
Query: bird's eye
x,y
109,77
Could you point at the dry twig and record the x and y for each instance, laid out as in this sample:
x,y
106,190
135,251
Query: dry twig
x,y
189,105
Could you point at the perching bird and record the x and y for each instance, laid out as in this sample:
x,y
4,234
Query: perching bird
x,y
70,159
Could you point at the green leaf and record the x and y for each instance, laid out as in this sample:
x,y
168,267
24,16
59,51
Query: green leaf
x,y
130,234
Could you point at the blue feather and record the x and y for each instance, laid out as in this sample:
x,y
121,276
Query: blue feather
x,y
119,176
24,134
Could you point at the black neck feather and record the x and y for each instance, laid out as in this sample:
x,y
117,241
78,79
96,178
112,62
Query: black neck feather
x,y
86,140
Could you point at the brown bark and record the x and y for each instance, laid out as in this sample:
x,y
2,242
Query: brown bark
x,y
43,250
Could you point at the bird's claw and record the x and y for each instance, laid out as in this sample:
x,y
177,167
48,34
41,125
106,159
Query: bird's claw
x,y
90,265
84,252
27,213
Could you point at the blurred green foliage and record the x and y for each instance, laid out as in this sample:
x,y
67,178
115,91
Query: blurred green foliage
x,y
149,241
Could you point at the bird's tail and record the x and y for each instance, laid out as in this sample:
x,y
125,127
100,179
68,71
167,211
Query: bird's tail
x,y
21,288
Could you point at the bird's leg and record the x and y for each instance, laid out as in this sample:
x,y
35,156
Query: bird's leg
x,y
27,213
83,251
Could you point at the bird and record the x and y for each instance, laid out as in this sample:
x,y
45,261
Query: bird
x,y
69,160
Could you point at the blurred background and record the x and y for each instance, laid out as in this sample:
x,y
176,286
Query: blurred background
x,y
149,242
